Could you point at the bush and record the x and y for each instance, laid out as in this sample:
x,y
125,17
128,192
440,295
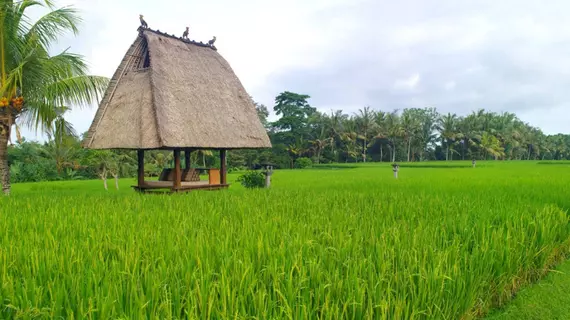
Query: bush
x,y
303,163
252,179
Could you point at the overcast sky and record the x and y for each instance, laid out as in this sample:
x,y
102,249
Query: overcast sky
x,y
455,55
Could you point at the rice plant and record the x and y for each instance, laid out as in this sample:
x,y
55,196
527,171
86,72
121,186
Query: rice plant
x,y
354,243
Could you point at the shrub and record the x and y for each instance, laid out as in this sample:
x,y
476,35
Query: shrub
x,y
303,163
252,179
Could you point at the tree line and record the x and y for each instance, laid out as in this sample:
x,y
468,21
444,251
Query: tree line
x,y
301,135
412,134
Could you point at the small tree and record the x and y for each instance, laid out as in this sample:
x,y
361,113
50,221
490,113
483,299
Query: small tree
x,y
105,163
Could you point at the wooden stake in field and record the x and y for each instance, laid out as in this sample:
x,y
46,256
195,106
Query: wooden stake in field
x,y
268,172
395,168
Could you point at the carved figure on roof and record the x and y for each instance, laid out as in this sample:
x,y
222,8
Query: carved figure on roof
x,y
143,23
211,42
185,34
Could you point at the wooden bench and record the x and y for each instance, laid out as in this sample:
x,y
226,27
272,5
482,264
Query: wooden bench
x,y
192,174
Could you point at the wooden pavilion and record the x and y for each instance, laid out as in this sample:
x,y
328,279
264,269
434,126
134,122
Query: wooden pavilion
x,y
179,95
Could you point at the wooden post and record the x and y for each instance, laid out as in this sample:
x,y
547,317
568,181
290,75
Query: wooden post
x,y
177,172
187,158
140,155
268,172
223,179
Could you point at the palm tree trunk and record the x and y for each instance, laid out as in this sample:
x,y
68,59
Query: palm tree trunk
x,y
528,153
333,150
364,151
4,167
394,153
447,152
409,147
381,153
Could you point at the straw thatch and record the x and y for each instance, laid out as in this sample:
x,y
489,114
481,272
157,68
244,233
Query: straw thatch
x,y
170,93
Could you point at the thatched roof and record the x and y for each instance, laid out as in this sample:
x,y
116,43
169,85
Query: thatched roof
x,y
173,93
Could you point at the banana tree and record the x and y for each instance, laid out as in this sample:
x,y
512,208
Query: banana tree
x,y
35,85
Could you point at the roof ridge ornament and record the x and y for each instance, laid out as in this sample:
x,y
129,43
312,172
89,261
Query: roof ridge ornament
x,y
144,27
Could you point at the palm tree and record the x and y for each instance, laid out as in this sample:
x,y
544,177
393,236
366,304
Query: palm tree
x,y
504,130
320,141
318,146
410,127
335,129
296,150
62,151
365,124
491,146
379,132
468,134
350,138
447,126
394,131
60,128
33,84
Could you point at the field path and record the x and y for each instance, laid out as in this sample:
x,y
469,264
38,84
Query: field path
x,y
548,299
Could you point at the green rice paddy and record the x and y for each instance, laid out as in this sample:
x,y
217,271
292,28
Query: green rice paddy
x,y
443,241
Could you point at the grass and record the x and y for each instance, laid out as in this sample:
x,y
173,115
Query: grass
x,y
548,299
328,244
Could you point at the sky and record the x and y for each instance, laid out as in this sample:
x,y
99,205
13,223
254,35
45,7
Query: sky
x,y
457,56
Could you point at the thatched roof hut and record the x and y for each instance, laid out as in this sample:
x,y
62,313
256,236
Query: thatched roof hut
x,y
170,93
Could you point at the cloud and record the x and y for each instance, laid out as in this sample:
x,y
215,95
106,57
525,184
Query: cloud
x,y
458,56
408,83
449,85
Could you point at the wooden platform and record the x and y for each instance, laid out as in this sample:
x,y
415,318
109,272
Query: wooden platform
x,y
161,186
176,179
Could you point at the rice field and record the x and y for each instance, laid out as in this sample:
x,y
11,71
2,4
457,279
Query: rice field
x,y
443,241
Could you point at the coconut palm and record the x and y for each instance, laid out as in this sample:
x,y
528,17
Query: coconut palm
x,y
321,140
410,126
394,131
335,128
365,126
490,145
467,134
447,126
379,132
34,85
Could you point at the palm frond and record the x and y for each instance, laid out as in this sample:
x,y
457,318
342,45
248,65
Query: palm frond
x,y
48,28
78,91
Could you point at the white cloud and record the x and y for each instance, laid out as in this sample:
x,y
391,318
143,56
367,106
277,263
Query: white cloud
x,y
408,83
450,85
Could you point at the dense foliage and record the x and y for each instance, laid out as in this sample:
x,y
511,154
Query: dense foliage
x,y
444,242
